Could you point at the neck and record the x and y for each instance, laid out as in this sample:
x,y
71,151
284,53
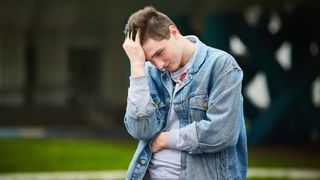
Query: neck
x,y
188,51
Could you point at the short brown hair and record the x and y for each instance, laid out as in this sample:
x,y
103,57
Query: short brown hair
x,y
151,23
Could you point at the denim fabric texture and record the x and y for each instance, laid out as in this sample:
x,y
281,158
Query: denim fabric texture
x,y
209,105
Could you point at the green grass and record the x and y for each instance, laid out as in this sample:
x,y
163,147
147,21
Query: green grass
x,y
26,155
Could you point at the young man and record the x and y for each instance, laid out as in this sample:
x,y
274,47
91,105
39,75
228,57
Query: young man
x,y
184,104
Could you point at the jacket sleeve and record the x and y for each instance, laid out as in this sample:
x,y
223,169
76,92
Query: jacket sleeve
x,y
141,119
221,127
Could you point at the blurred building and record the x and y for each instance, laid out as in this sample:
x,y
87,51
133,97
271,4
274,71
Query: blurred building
x,y
62,64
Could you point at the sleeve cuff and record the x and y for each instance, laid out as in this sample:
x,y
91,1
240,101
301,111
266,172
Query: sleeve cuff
x,y
173,138
138,83
184,139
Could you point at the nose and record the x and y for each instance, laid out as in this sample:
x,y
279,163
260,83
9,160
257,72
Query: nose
x,y
159,63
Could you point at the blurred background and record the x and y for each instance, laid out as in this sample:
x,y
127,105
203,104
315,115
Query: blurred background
x,y
64,79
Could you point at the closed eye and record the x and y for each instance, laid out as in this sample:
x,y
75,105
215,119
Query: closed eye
x,y
158,53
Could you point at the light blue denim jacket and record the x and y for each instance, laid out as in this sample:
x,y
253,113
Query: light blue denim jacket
x,y
209,105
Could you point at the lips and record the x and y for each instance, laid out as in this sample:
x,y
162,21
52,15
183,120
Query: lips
x,y
167,66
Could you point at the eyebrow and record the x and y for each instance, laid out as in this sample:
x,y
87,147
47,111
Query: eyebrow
x,y
157,52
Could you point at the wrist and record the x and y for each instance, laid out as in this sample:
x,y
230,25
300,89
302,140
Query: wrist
x,y
137,70
164,138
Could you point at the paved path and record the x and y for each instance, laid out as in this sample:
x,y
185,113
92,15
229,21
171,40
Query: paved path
x,y
281,173
82,175
115,175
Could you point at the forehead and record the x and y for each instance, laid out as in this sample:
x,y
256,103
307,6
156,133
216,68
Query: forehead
x,y
151,46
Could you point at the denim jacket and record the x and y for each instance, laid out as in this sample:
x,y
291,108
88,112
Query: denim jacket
x,y
209,106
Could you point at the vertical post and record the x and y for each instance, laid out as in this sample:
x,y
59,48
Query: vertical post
x,y
51,82
12,66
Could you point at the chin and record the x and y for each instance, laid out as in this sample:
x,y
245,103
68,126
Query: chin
x,y
162,69
174,70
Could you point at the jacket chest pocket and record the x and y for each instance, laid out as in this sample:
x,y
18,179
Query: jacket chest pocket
x,y
198,107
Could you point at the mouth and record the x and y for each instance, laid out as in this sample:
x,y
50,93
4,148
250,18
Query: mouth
x,y
167,66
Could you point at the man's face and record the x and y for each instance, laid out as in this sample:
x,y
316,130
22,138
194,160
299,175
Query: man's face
x,y
164,54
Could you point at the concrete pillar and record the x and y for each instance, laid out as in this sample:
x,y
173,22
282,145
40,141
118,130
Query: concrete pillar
x,y
1,62
55,19
14,19
51,74
12,66
115,69
115,65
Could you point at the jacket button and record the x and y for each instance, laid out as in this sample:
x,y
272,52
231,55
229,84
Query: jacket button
x,y
205,105
142,162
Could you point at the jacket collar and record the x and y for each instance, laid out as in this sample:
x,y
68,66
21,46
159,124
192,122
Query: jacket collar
x,y
199,54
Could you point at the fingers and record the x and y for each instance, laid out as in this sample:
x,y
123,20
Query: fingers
x,y
127,35
138,36
154,147
130,36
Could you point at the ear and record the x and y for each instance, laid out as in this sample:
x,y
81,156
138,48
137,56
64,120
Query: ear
x,y
174,32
